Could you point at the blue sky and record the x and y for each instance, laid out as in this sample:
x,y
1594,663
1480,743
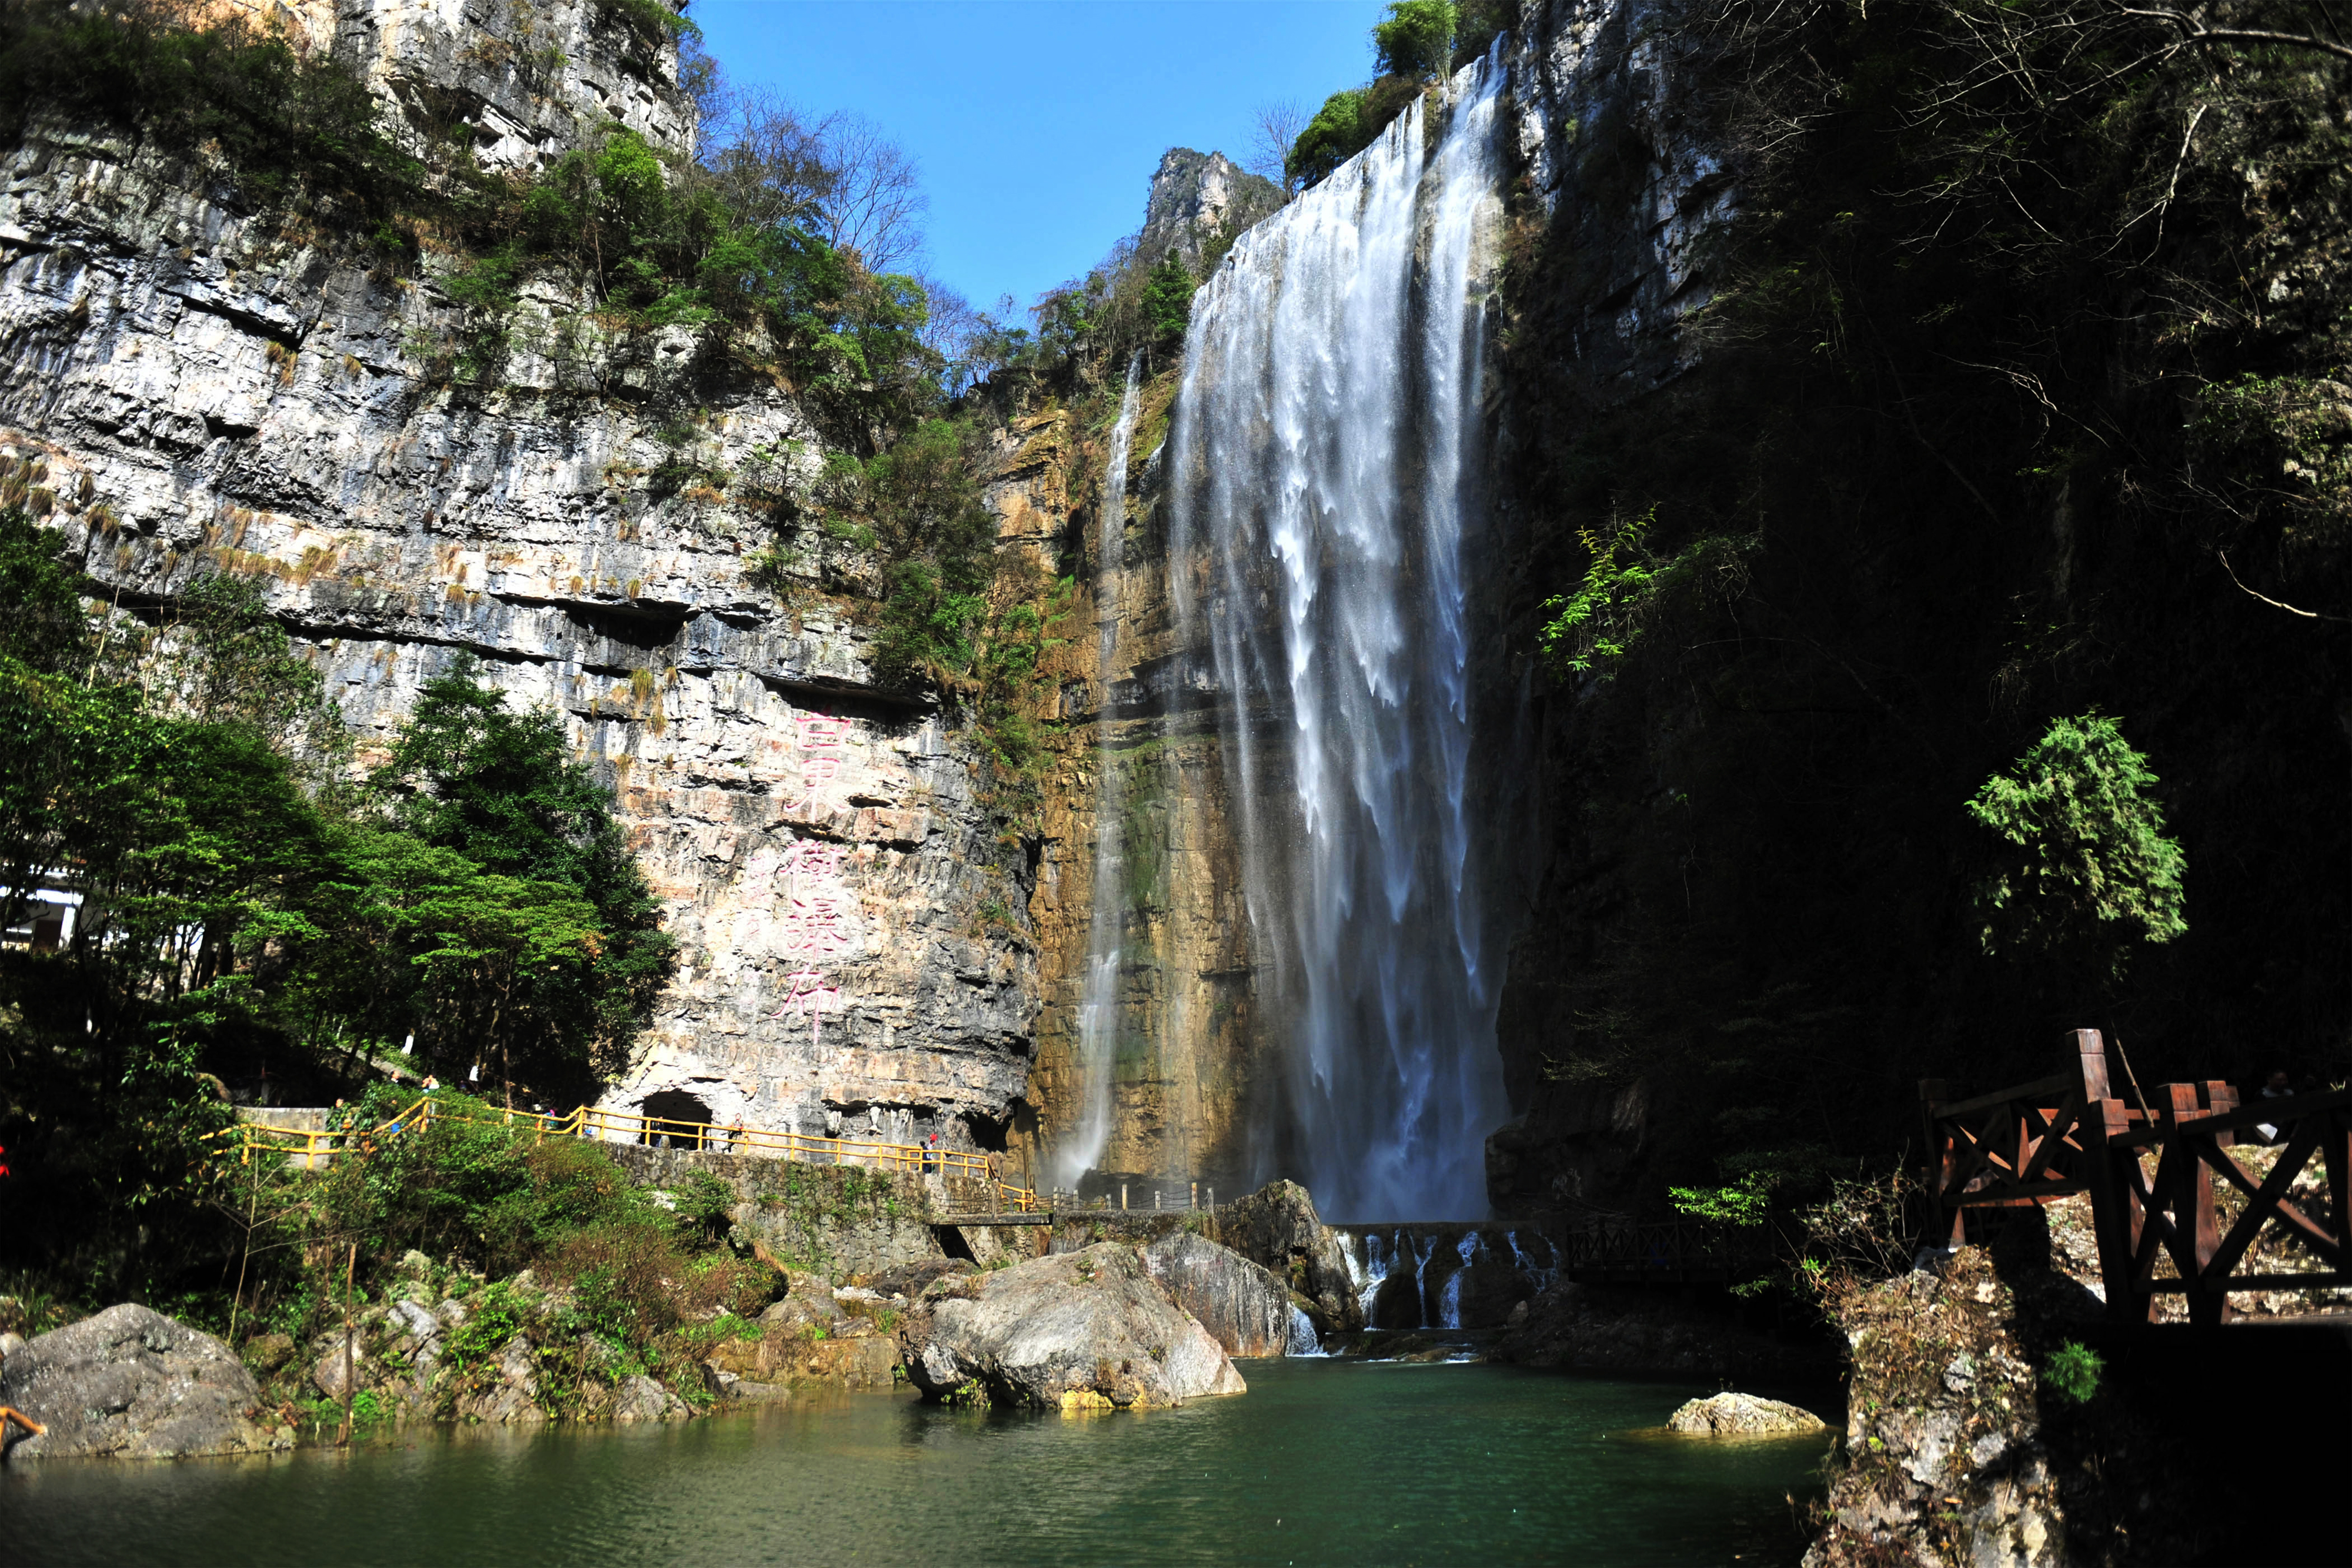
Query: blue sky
x,y
1038,122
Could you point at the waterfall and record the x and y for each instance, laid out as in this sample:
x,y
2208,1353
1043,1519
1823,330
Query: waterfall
x,y
1323,473
1098,1004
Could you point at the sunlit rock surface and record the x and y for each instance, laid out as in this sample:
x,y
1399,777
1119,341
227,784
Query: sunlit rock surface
x,y
1246,1306
1741,1416
1089,1330
213,387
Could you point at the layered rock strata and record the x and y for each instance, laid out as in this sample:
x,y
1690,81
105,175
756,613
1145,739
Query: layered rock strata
x,y
212,385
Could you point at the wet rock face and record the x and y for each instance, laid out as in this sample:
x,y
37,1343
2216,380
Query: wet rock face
x,y
216,388
1742,1416
132,1384
1246,1307
1277,1226
1073,1330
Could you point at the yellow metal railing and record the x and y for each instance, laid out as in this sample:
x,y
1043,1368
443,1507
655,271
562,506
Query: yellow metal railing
x,y
312,1148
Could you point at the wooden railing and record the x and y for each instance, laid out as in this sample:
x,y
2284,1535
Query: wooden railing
x,y
1670,1252
312,1148
2040,1142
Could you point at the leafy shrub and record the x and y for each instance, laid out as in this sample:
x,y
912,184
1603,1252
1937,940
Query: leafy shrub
x,y
500,1195
1336,133
1746,1202
706,1207
493,1315
1626,586
2283,441
2096,863
2072,1372
287,123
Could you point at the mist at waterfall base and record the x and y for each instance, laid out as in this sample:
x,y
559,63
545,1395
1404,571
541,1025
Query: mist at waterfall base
x,y
1322,465
1320,1462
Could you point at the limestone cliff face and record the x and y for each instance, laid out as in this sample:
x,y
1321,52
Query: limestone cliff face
x,y
215,387
1629,185
1197,199
1186,1054
531,76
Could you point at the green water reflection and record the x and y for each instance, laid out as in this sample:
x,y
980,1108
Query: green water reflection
x,y
1321,1462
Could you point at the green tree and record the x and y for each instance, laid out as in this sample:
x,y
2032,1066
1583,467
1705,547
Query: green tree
x,y
1336,134
1167,297
1417,38
41,621
2091,863
502,790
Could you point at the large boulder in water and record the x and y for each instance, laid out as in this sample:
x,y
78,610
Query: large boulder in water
x,y
1074,1330
1277,1226
133,1384
1742,1416
1243,1305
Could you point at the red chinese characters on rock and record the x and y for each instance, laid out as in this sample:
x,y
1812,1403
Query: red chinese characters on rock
x,y
816,902
816,926
808,991
820,740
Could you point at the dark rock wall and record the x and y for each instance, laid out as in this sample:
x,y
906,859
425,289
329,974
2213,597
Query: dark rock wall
x,y
1747,924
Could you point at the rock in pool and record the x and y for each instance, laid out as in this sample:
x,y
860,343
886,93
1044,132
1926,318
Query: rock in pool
x,y
132,1384
1742,1416
1243,1305
1090,1329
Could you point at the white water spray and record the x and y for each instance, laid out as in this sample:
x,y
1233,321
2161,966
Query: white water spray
x,y
1324,473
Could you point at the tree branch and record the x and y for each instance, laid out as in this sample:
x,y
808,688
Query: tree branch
x,y
2197,31
2223,555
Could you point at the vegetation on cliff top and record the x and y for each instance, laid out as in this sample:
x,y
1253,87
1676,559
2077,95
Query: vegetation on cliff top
x,y
1416,42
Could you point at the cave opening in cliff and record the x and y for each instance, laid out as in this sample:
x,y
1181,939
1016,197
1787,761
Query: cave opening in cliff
x,y
670,1107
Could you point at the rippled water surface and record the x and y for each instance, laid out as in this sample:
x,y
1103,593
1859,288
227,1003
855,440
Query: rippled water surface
x,y
1321,1462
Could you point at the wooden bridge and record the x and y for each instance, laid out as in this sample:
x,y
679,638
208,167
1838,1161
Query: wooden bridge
x,y
2160,1230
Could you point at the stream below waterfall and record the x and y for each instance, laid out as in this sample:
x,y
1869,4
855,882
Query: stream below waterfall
x,y
1321,1462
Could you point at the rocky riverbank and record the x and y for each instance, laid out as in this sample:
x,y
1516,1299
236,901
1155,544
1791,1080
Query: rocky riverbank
x,y
848,1287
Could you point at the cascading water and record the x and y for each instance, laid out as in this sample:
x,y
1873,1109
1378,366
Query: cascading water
x,y
1323,474
1098,1005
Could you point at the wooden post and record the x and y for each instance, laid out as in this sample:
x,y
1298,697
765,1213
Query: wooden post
x,y
1943,1231
2192,1205
2113,1220
350,1265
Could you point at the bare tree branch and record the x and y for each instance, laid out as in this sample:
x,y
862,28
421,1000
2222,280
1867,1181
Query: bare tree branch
x,y
1275,129
2197,31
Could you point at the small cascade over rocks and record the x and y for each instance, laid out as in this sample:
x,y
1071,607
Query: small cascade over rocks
x,y
1446,1276
1323,480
